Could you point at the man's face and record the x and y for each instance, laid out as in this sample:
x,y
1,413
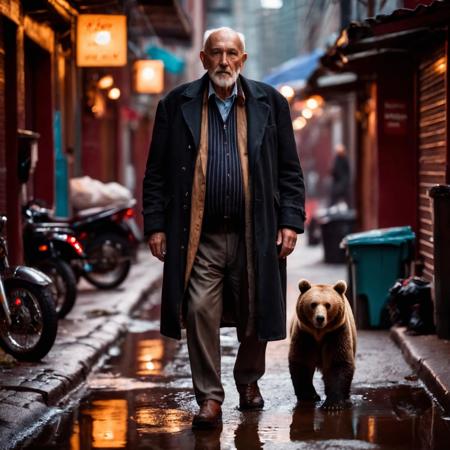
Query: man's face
x,y
223,58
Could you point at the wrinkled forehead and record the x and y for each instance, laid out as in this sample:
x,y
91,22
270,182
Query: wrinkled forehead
x,y
224,39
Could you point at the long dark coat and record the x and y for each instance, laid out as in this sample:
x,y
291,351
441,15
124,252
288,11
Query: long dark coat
x,y
277,190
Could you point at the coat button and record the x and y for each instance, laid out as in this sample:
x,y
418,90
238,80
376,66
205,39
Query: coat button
x,y
182,247
183,168
185,206
189,146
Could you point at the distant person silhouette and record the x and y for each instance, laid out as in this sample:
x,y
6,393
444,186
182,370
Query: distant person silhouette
x,y
340,173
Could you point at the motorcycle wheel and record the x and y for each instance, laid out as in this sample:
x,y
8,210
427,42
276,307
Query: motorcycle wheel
x,y
64,286
34,322
109,257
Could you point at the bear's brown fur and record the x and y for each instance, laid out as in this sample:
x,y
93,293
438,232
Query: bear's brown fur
x,y
323,337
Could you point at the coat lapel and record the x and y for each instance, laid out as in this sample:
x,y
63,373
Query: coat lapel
x,y
257,115
192,108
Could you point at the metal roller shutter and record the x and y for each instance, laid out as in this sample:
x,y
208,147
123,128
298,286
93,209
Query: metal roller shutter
x,y
432,145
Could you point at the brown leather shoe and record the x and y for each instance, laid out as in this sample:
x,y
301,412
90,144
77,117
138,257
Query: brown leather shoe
x,y
249,396
209,416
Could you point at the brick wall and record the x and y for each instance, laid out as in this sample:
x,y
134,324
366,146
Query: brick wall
x,y
2,122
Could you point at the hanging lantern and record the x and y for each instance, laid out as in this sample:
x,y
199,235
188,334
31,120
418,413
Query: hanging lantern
x,y
114,93
148,76
101,40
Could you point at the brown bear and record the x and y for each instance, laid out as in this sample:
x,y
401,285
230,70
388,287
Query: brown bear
x,y
323,336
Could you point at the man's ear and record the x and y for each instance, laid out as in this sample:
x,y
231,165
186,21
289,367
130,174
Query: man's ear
x,y
203,59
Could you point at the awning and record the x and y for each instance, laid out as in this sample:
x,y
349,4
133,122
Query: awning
x,y
294,70
172,63
58,16
165,18
404,30
168,19
98,6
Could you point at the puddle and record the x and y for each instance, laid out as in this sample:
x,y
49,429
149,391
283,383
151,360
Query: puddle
x,y
142,399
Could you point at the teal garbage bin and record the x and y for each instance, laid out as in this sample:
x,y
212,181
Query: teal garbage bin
x,y
376,259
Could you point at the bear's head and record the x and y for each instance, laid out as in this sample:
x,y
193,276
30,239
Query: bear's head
x,y
321,307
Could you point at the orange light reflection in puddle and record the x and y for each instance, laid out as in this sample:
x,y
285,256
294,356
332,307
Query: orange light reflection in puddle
x,y
155,420
75,438
149,356
109,423
371,429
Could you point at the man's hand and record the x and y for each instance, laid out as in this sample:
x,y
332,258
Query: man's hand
x,y
287,238
157,244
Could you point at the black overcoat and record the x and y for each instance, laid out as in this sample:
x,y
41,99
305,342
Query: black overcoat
x,y
277,192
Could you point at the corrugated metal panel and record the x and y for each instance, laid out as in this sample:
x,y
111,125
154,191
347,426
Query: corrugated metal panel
x,y
432,146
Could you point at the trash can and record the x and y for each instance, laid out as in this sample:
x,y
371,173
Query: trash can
x,y
376,259
441,244
334,227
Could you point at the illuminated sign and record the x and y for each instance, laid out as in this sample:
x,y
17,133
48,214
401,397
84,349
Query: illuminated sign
x,y
101,40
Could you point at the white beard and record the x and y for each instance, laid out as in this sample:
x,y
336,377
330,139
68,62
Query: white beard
x,y
224,80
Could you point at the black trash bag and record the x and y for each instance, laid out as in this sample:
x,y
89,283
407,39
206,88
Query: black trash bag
x,y
409,304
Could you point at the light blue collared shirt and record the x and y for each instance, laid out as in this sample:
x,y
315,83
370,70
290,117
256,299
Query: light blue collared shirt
x,y
223,105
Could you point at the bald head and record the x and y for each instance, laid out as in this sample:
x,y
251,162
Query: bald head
x,y
340,149
223,57
225,31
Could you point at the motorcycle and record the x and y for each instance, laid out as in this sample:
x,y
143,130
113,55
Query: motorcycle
x,y
28,321
54,249
110,237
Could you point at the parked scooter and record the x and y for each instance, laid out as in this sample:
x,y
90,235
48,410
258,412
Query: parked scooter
x,y
109,236
54,249
28,321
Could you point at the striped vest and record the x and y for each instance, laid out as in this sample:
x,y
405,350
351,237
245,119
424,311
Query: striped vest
x,y
224,187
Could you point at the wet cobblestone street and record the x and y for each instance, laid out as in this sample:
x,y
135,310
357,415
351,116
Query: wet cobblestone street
x,y
142,396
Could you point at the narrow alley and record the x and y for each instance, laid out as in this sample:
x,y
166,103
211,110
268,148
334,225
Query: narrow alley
x,y
142,398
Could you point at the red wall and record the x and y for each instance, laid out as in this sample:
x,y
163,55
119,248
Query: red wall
x,y
8,140
39,117
397,155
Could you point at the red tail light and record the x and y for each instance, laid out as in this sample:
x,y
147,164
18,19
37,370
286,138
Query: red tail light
x,y
129,213
122,215
73,241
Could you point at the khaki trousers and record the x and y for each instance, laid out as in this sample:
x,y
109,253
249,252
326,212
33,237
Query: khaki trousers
x,y
220,257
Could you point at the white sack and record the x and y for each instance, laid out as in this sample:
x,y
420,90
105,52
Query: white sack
x,y
85,192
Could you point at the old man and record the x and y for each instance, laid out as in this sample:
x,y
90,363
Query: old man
x,y
223,202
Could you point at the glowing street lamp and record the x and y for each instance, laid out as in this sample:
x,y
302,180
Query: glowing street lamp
x,y
102,37
287,91
299,123
314,102
148,76
106,82
307,113
440,66
114,94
